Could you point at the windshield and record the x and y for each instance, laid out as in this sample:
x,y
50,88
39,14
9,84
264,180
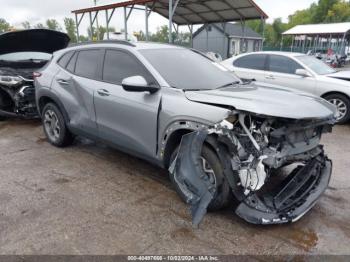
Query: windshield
x,y
316,65
23,56
187,70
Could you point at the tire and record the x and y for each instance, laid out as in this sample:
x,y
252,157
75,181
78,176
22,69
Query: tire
x,y
2,104
344,103
55,127
223,192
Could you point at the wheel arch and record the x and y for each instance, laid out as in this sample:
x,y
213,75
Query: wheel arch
x,y
46,98
172,141
335,93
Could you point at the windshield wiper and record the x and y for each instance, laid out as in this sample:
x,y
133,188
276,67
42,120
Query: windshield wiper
x,y
229,84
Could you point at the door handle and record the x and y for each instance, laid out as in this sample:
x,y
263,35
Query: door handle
x,y
103,92
62,82
270,77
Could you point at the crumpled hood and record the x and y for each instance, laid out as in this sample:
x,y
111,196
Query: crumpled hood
x,y
341,75
33,40
265,100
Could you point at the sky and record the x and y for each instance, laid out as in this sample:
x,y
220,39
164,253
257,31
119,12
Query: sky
x,y
35,11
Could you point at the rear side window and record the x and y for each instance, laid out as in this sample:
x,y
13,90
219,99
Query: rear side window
x,y
281,64
71,64
119,65
256,62
63,61
87,63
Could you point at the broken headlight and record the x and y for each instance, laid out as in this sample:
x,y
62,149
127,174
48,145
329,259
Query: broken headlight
x,y
10,80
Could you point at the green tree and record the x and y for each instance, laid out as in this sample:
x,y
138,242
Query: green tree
x,y
321,11
70,27
26,25
39,26
4,25
53,25
340,12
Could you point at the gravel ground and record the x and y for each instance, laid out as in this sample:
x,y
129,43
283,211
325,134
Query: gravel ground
x,y
90,199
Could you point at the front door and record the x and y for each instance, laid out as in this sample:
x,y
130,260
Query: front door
x,y
281,71
127,119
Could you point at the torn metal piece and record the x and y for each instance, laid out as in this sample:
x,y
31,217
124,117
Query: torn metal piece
x,y
298,195
190,177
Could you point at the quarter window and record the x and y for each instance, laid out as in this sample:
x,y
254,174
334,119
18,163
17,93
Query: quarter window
x,y
256,62
65,59
119,65
71,65
281,64
87,63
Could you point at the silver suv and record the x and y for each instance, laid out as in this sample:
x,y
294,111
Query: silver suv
x,y
220,138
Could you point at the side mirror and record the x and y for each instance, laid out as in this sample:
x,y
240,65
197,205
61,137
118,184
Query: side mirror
x,y
303,73
138,84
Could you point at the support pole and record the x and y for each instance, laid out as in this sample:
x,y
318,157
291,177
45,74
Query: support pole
x,y
91,28
170,21
146,17
125,24
77,27
282,43
263,33
107,24
191,35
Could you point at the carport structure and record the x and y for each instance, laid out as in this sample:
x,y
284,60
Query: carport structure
x,y
319,37
178,12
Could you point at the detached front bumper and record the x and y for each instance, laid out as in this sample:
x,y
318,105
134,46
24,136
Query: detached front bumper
x,y
295,196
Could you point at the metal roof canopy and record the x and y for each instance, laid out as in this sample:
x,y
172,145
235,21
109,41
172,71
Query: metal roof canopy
x,y
180,12
319,29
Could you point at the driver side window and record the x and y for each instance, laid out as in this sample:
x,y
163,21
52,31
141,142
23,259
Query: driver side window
x,y
119,65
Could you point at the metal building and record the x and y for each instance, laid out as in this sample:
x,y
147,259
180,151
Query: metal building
x,y
178,12
227,39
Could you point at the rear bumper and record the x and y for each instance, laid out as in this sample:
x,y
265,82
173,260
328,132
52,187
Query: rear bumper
x,y
295,197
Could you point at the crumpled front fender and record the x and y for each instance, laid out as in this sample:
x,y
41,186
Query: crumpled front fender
x,y
190,177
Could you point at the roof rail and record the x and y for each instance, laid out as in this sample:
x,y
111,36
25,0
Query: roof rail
x,y
119,42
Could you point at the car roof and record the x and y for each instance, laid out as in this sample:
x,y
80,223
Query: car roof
x,y
289,54
125,44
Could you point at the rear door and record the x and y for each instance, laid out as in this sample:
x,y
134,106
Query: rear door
x,y
250,67
127,119
281,71
75,86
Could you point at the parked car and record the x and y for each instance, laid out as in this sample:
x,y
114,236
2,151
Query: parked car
x,y
178,109
22,53
298,71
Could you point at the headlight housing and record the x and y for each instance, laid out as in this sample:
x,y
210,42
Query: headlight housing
x,y
10,80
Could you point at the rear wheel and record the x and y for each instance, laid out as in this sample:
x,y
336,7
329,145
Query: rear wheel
x,y
212,168
55,127
343,107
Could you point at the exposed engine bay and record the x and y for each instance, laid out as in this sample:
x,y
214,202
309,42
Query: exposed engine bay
x,y
22,53
275,167
17,91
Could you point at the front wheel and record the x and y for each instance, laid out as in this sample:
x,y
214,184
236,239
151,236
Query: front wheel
x,y
212,168
2,105
55,127
342,104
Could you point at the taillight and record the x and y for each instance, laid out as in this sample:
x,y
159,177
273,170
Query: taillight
x,y
36,75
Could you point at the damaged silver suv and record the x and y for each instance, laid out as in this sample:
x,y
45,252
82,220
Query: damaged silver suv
x,y
221,139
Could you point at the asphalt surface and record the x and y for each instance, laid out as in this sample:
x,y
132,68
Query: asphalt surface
x,y
90,199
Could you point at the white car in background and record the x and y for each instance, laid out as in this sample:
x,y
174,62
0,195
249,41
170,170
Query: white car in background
x,y
296,71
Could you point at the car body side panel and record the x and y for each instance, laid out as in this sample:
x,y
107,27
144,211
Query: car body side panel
x,y
77,98
128,119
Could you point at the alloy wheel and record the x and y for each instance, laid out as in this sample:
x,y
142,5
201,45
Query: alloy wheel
x,y
52,125
342,109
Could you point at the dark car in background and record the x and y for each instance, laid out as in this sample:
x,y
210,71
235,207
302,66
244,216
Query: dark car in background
x,y
21,54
